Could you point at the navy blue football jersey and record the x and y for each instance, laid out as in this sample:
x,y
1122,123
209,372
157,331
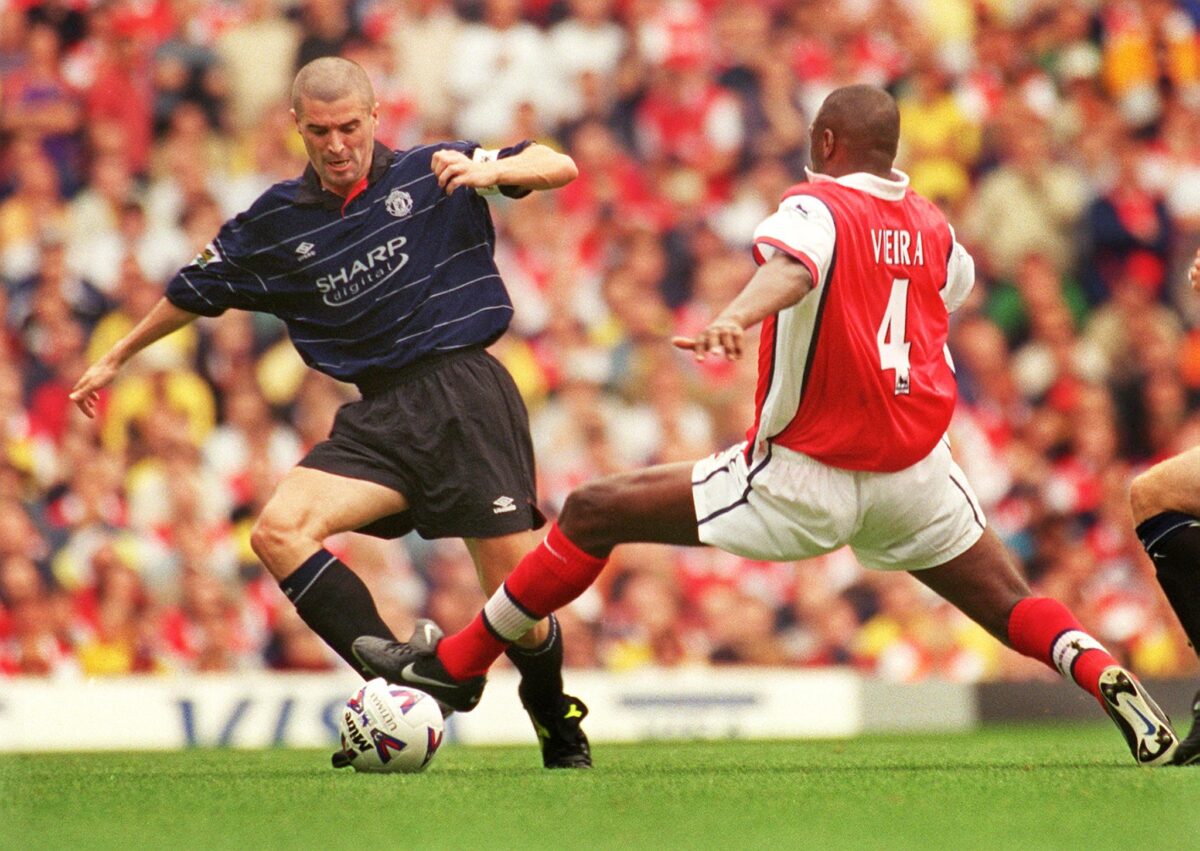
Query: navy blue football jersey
x,y
401,271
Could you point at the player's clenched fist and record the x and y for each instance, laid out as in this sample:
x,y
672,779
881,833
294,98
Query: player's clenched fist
x,y
722,338
1194,272
455,169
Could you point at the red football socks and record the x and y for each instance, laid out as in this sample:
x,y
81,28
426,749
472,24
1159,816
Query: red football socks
x,y
553,574
1044,629
471,651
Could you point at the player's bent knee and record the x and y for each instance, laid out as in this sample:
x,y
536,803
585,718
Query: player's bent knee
x,y
278,540
265,538
591,513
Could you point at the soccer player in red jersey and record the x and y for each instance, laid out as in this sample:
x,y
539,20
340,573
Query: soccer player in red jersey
x,y
857,277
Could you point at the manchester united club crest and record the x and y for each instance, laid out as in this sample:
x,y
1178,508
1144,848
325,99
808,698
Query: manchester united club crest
x,y
399,203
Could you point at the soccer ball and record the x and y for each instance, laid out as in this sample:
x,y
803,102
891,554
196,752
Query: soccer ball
x,y
386,728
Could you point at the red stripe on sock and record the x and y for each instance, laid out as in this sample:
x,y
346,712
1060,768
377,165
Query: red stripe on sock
x,y
1034,624
553,574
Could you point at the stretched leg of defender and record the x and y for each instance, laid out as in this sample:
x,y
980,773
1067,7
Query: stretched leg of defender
x,y
647,506
985,584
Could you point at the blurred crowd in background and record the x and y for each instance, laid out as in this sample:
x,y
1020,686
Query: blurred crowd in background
x,y
1062,138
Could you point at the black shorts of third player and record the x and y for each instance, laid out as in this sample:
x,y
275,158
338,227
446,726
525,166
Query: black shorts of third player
x,y
451,434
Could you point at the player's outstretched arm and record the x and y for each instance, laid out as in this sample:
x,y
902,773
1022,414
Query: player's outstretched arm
x,y
536,167
779,283
162,319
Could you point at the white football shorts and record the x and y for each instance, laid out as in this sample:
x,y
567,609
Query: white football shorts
x,y
790,507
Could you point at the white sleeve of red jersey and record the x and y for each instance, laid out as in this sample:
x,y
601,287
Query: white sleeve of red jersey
x,y
803,228
960,276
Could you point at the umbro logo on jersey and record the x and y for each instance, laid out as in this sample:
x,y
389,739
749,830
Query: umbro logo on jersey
x,y
305,250
503,505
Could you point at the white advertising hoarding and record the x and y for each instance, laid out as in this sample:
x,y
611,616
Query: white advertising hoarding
x,y
300,710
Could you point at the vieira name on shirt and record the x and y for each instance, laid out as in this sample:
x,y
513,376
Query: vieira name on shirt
x,y
891,245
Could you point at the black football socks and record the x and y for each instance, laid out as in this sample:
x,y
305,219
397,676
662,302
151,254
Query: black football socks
x,y
541,670
1172,540
335,604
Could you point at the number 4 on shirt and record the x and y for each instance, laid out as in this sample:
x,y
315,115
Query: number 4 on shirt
x,y
893,348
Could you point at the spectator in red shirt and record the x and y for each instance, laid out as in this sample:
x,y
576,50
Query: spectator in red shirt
x,y
687,120
120,94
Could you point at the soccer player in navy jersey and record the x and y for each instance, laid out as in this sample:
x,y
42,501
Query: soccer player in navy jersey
x,y
857,277
380,264
1166,508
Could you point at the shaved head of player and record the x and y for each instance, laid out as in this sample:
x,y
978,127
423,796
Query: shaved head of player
x,y
857,129
334,106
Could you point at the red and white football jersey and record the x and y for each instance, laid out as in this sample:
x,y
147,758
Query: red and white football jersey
x,y
857,374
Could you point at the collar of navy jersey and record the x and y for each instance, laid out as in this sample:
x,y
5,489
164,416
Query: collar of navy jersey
x,y
311,192
881,187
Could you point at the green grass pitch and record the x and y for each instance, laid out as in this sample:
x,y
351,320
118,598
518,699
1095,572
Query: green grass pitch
x,y
1011,787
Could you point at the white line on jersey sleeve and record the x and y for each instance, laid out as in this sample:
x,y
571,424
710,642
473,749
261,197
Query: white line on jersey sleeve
x,y
960,276
802,227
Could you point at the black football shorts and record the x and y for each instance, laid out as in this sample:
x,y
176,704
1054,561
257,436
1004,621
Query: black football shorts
x,y
451,434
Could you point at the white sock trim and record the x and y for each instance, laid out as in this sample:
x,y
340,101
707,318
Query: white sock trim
x,y
1068,647
505,617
